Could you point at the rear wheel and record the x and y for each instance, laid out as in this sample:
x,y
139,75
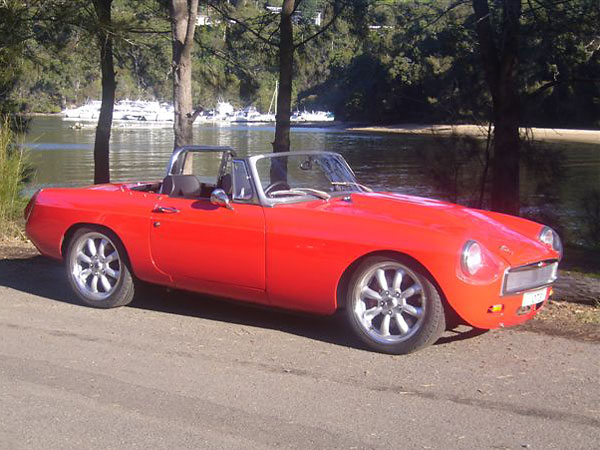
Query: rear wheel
x,y
393,307
97,269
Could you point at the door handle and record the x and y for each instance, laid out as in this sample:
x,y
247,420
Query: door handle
x,y
165,210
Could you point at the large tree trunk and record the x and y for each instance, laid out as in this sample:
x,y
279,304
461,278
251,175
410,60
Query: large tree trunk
x,y
102,142
500,66
183,24
286,67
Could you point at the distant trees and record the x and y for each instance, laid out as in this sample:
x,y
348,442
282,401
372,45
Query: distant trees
x,y
11,47
381,61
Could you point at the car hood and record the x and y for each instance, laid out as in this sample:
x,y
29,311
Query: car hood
x,y
511,238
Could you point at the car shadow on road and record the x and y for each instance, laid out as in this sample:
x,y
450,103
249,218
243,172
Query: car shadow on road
x,y
45,278
37,276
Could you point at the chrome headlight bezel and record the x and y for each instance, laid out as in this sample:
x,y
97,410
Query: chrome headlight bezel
x,y
471,258
477,265
551,239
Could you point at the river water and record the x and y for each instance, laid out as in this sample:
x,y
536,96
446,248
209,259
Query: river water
x,y
64,157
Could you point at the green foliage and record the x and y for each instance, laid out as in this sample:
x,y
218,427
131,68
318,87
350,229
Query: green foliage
x,y
11,48
383,61
13,174
560,60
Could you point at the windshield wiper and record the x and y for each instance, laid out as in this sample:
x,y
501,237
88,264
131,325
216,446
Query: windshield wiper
x,y
301,191
352,183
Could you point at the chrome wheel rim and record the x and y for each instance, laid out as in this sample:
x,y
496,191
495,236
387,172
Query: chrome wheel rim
x,y
389,303
95,266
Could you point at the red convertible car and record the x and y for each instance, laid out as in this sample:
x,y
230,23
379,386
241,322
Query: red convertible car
x,y
297,231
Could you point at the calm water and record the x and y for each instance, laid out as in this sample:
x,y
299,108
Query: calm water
x,y
64,157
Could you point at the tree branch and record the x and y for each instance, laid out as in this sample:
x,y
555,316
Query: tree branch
x,y
192,117
243,24
553,83
489,52
324,28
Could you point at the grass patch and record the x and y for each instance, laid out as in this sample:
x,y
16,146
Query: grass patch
x,y
571,313
590,316
13,173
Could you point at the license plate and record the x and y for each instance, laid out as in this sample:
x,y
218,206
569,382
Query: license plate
x,y
533,297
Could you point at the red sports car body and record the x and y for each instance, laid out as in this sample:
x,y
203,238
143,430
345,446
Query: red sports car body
x,y
296,231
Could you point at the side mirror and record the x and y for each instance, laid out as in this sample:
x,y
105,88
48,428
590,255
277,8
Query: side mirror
x,y
220,198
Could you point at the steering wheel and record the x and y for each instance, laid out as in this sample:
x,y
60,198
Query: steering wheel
x,y
272,187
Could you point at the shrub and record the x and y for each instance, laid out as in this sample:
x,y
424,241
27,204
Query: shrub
x,y
13,172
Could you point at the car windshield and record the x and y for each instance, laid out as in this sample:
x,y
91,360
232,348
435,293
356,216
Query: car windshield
x,y
305,176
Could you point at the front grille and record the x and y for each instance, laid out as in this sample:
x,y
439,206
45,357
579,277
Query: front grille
x,y
527,277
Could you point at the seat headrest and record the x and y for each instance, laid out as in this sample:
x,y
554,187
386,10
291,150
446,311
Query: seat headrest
x,y
186,186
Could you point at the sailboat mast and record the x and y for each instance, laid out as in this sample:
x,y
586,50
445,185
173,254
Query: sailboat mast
x,y
274,98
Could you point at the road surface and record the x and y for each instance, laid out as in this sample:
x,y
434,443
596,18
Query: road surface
x,y
179,371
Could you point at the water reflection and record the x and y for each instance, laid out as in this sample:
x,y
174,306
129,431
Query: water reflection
x,y
64,157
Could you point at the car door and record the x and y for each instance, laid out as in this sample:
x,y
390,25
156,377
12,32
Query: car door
x,y
200,244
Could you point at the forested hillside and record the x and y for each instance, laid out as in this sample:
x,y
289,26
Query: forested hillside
x,y
380,61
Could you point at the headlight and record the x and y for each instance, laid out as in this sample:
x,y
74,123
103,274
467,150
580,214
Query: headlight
x,y
472,259
550,238
478,265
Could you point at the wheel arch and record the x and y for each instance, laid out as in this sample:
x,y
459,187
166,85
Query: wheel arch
x,y
77,226
342,287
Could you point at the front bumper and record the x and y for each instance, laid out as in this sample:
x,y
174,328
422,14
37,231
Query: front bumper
x,y
495,306
515,309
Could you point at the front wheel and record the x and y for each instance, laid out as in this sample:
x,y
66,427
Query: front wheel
x,y
97,270
393,307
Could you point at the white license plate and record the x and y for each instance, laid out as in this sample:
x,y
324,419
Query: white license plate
x,y
533,297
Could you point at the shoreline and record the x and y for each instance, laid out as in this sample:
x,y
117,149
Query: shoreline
x,y
537,134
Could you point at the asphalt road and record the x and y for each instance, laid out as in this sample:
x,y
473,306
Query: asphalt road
x,y
178,371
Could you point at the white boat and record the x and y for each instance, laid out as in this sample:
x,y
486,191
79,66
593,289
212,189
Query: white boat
x,y
312,116
89,111
223,114
251,115
124,110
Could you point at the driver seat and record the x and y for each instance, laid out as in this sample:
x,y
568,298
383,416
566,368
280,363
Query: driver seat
x,y
186,186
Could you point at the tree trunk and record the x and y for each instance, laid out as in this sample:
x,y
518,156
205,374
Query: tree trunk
x,y
183,24
507,143
500,67
102,142
286,67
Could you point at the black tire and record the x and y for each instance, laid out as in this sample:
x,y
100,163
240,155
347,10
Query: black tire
x,y
101,266
416,300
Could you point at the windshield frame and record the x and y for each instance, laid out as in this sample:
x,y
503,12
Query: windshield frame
x,y
268,201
